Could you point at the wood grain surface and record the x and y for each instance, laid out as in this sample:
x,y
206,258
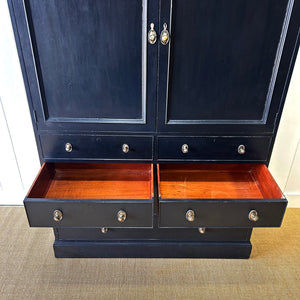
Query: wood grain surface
x,y
220,181
94,181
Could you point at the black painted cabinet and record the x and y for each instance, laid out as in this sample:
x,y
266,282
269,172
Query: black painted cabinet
x,y
120,89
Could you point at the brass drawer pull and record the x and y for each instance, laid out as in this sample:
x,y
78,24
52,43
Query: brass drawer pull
x,y
57,215
104,230
125,148
190,215
253,216
185,148
121,216
241,149
201,230
68,147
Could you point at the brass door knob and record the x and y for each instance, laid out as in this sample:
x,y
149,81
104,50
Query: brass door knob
x,y
68,147
57,215
241,149
152,36
185,148
253,216
125,148
190,215
164,35
121,216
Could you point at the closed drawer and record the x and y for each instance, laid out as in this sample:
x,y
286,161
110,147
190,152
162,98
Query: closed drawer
x,y
91,195
213,148
95,147
218,195
158,234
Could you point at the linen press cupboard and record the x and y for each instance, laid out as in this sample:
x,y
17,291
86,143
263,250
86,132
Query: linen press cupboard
x,y
155,121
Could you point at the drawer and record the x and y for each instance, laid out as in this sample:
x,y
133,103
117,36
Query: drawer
x,y
158,234
218,195
55,147
213,148
91,195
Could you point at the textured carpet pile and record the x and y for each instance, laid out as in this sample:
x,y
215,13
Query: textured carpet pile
x,y
28,269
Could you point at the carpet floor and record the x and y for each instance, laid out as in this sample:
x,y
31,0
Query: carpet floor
x,y
28,269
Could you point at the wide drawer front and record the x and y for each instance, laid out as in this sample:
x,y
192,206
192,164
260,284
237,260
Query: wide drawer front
x,y
218,195
55,147
213,148
88,213
222,213
91,195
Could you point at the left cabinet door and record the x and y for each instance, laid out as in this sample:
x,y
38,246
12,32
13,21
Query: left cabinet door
x,y
87,64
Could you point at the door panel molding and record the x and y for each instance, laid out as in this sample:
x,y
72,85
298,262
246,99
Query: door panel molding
x,y
262,120
39,77
269,96
136,119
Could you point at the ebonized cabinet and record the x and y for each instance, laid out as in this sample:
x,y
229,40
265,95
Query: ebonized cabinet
x,y
155,121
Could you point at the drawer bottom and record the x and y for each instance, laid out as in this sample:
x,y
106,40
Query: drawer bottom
x,y
151,249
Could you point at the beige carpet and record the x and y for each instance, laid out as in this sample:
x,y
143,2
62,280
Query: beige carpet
x,y
28,269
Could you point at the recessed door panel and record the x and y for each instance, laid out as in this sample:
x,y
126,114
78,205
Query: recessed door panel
x,y
90,58
222,62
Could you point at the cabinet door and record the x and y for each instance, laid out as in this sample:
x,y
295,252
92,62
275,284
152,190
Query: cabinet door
x,y
224,68
88,64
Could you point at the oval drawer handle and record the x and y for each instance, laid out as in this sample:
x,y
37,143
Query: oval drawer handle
x,y
253,216
190,215
125,148
121,216
104,230
201,230
185,148
57,215
68,147
241,149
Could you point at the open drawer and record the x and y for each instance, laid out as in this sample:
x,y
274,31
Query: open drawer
x,y
218,195
91,195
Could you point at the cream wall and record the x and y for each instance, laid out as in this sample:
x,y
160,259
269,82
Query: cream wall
x,y
18,154
285,160
19,161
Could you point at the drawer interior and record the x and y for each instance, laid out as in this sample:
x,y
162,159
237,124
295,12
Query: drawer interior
x,y
216,181
93,181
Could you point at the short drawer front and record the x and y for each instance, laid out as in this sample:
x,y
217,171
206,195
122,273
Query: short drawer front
x,y
221,213
213,148
96,147
85,213
159,234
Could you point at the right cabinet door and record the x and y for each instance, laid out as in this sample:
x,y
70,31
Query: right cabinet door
x,y
225,64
